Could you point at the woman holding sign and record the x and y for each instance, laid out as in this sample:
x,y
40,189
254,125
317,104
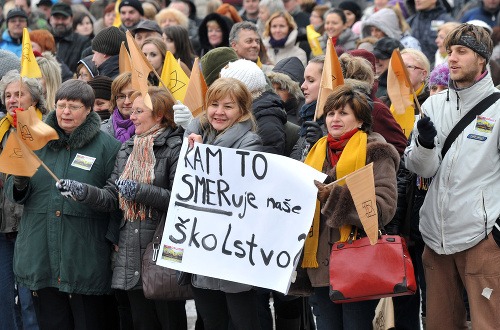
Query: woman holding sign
x,y
227,122
140,186
349,145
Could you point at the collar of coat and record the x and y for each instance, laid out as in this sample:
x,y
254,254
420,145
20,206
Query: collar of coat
x,y
80,137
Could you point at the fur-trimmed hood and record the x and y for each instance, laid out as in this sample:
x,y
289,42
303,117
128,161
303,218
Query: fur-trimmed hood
x,y
286,83
81,136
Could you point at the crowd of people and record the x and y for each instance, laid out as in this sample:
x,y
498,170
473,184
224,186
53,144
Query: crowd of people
x,y
71,252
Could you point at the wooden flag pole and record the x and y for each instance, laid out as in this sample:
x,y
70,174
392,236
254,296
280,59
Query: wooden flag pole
x,y
41,162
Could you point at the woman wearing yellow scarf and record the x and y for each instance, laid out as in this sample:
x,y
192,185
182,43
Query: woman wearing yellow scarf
x,y
348,146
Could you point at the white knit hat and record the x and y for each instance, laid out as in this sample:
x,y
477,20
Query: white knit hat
x,y
247,72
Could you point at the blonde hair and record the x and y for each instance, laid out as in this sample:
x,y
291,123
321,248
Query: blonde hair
x,y
237,91
448,26
288,18
357,68
165,13
419,57
51,73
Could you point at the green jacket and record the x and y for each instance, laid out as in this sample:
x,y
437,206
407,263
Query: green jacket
x,y
61,243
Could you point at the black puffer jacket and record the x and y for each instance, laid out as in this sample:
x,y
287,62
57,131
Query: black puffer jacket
x,y
270,114
135,236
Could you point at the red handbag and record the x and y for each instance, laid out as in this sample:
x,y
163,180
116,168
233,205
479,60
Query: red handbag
x,y
360,271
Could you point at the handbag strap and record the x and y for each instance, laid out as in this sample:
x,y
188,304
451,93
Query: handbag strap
x,y
467,119
160,228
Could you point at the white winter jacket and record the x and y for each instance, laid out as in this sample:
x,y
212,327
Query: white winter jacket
x,y
462,203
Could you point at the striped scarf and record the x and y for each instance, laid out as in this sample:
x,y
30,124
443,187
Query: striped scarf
x,y
140,168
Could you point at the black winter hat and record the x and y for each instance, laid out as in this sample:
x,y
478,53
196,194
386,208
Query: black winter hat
x,y
61,8
109,41
132,3
102,87
16,12
383,48
292,67
353,7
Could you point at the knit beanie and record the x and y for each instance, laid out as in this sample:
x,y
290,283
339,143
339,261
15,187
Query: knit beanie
x,y
109,41
213,61
8,61
248,73
440,75
102,87
132,3
353,7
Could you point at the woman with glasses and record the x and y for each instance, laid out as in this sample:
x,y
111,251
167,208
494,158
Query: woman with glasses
x,y
418,68
139,186
62,252
119,124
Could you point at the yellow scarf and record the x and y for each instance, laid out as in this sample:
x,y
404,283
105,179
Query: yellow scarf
x,y
7,121
353,158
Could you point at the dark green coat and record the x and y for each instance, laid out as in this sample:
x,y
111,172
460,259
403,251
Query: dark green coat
x,y
61,243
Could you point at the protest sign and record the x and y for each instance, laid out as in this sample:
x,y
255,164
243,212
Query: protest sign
x,y
238,215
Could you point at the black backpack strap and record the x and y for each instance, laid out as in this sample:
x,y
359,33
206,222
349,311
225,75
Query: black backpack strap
x,y
467,119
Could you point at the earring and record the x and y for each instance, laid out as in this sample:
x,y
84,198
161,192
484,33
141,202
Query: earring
x,y
360,126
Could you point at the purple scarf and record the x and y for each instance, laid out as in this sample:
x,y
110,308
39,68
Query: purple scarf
x,y
124,128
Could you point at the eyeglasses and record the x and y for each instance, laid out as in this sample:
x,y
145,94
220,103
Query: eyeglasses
x,y
136,112
122,97
61,107
413,67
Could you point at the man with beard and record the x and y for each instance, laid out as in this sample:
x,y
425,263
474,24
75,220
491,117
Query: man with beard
x,y
131,14
459,217
69,44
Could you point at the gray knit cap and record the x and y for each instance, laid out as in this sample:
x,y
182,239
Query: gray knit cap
x,y
8,61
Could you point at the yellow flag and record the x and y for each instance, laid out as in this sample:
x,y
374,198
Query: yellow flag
x,y
140,69
313,39
118,21
361,184
400,92
32,131
29,65
196,90
17,159
124,60
331,77
174,77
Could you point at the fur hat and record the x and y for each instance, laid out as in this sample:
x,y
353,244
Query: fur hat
x,y
248,73
8,61
102,87
289,74
440,75
132,3
109,41
213,61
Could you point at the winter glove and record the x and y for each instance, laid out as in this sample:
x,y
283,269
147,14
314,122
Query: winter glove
x,y
21,182
182,115
313,132
72,189
426,132
127,188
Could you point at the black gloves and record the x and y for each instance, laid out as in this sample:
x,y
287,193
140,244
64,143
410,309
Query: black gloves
x,y
313,132
426,132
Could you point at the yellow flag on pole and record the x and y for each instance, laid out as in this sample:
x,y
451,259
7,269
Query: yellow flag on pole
x,y
400,93
174,77
29,65
140,69
17,159
196,90
361,184
118,21
32,131
330,78
124,60
313,39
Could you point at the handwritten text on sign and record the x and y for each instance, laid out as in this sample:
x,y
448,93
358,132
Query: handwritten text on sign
x,y
238,215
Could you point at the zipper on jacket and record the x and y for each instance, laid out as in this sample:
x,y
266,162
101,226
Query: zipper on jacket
x,y
485,217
